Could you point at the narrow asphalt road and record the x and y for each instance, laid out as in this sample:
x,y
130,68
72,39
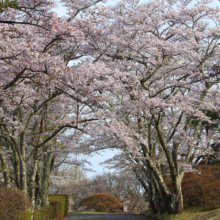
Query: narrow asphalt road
x,y
107,217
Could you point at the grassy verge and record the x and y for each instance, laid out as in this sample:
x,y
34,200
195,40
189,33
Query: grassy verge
x,y
190,214
87,212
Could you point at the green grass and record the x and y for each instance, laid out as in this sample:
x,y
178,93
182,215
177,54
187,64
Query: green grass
x,y
189,214
87,212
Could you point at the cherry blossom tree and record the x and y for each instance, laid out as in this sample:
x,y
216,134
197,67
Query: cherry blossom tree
x,y
156,61
143,81
35,108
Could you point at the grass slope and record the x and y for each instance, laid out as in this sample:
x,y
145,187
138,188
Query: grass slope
x,y
190,214
88,212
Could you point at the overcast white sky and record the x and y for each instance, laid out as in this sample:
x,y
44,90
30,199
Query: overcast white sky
x,y
95,160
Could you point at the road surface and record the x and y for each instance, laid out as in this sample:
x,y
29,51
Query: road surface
x,y
107,217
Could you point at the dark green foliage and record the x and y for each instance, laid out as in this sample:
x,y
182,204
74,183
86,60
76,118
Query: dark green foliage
x,y
214,126
47,210
45,213
26,215
51,211
102,202
64,199
212,159
7,3
57,208
42,214
212,116
66,204
37,215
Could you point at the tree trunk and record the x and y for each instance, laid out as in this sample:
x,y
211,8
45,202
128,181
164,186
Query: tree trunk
x,y
6,174
159,196
48,160
179,204
153,199
16,165
174,201
23,168
165,193
38,192
23,176
177,197
44,187
33,178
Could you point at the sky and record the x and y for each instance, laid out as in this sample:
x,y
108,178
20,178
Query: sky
x,y
96,160
107,154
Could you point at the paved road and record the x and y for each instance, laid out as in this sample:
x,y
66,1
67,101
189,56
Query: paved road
x,y
107,217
